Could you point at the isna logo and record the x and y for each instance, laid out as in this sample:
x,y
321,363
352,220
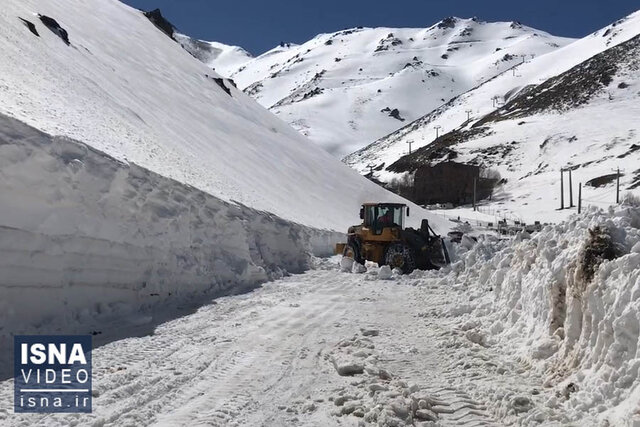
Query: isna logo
x,y
52,373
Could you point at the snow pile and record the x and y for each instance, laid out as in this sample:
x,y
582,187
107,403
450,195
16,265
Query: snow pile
x,y
181,186
377,396
567,302
85,239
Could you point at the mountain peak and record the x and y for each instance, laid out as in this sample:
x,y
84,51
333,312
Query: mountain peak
x,y
161,22
449,22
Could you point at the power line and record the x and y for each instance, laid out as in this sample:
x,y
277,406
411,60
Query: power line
x,y
597,201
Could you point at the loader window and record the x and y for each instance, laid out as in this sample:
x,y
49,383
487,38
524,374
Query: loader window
x,y
378,217
398,217
388,216
370,215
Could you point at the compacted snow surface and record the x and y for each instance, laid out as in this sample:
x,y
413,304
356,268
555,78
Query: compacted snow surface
x,y
512,333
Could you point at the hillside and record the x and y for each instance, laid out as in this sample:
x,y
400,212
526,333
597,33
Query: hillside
x,y
576,107
125,88
223,58
348,88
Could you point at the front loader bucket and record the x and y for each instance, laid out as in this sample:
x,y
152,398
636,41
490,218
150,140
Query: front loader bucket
x,y
438,254
446,252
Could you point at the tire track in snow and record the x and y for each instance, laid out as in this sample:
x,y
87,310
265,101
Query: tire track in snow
x,y
225,396
259,358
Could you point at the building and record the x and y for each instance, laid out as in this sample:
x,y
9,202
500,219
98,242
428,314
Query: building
x,y
449,182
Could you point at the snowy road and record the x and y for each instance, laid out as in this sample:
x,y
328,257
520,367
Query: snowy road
x,y
265,358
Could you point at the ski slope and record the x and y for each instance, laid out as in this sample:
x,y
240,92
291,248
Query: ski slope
x,y
530,147
340,89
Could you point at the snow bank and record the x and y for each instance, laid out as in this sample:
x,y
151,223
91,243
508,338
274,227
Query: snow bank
x,y
534,296
86,239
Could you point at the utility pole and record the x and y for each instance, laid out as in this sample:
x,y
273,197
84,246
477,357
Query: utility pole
x,y
523,58
475,182
618,186
495,100
437,128
617,171
561,188
580,198
469,114
570,191
410,142
370,166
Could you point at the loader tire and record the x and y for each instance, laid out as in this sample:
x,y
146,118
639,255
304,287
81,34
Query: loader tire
x,y
352,251
400,256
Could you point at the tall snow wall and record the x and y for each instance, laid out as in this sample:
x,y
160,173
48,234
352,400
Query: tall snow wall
x,y
85,238
562,308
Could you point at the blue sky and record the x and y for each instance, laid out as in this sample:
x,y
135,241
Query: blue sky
x,y
259,25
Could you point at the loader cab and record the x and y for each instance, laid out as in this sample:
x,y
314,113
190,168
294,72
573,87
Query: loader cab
x,y
379,216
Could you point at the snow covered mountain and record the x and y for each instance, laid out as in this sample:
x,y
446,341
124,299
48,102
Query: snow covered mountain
x,y
576,107
346,89
214,54
125,88
223,58
136,185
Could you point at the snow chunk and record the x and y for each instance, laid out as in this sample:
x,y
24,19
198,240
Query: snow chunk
x,y
347,366
385,273
346,264
358,268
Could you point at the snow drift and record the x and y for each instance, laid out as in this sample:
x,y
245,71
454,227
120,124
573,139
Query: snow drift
x,y
568,302
223,58
85,239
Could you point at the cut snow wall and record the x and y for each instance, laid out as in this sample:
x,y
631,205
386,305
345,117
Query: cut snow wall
x,y
530,294
85,238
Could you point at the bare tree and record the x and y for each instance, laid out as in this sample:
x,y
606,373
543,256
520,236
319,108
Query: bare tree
x,y
489,180
402,185
488,173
